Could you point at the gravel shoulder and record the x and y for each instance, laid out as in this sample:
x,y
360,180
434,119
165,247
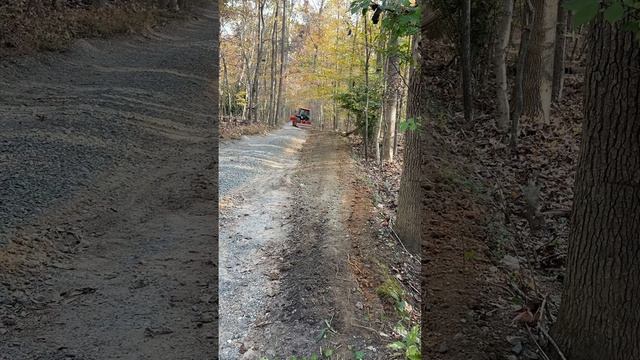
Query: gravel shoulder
x,y
107,198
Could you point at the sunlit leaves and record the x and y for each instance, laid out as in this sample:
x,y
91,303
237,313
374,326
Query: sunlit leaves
x,y
400,17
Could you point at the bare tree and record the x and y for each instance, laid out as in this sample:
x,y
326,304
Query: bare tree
x,y
392,79
499,61
528,16
538,74
253,95
558,57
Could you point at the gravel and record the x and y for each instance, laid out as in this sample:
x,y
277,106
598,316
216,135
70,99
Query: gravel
x,y
67,118
243,161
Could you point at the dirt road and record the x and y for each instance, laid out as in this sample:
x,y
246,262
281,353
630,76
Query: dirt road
x,y
107,198
297,275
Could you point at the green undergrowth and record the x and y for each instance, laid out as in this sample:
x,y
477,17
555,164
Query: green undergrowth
x,y
407,343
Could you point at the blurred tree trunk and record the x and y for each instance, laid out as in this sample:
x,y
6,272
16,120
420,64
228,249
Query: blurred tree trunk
x,y
253,95
500,66
410,212
274,59
391,97
528,16
538,75
282,60
558,57
600,313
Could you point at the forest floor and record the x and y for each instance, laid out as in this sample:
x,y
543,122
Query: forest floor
x,y
107,198
492,273
303,258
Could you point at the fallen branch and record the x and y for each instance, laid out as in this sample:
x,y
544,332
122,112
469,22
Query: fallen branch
x,y
552,343
544,354
398,238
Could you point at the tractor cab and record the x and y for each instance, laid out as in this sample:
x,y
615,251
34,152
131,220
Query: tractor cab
x,y
301,118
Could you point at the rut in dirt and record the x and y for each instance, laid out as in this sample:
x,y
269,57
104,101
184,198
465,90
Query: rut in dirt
x,y
107,211
288,248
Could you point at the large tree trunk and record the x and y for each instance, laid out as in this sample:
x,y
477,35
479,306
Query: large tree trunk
x,y
391,97
558,57
538,75
600,311
500,67
410,210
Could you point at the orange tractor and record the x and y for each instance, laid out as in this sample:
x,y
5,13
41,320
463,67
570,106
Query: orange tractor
x,y
301,119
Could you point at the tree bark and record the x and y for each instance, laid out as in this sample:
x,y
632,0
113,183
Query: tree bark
x,y
410,211
500,66
366,85
558,57
274,60
528,15
282,60
538,75
391,97
600,312
253,96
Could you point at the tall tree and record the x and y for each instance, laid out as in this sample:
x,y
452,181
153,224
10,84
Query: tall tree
x,y
392,79
253,94
499,61
558,57
283,36
528,14
538,75
600,313
274,60
409,215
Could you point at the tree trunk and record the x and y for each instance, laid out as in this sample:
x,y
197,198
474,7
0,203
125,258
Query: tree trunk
x,y
366,86
528,15
538,75
253,96
410,213
500,67
558,57
282,59
274,60
600,311
391,97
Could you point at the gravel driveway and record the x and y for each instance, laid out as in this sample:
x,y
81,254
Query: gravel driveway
x,y
107,198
